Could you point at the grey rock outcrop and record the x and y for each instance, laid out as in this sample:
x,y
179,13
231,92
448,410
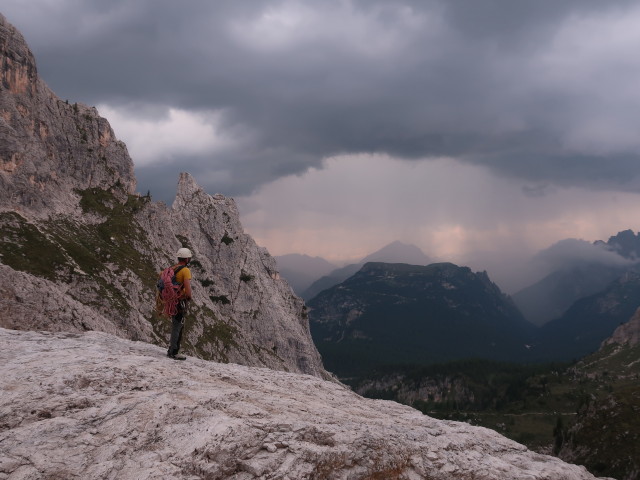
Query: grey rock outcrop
x,y
605,432
49,148
95,406
627,333
79,250
410,391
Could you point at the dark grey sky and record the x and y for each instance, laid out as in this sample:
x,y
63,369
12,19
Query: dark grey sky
x,y
540,96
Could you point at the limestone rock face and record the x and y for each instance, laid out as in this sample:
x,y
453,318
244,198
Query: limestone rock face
x,y
79,250
49,147
95,406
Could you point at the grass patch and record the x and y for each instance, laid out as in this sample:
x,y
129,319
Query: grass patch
x,y
220,299
26,248
119,234
61,249
217,336
96,200
226,239
245,277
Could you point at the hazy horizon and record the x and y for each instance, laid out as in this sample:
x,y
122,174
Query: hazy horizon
x,y
511,278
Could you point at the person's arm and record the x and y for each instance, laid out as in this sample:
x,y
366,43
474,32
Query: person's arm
x,y
186,288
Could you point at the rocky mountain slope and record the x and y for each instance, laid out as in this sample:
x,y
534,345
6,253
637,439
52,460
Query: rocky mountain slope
x,y
550,297
590,320
627,334
410,314
91,405
625,243
605,434
80,250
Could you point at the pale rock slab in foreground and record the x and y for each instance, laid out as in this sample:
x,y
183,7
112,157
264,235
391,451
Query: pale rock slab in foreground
x,y
97,406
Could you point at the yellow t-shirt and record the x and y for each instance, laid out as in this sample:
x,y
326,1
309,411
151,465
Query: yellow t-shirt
x,y
182,275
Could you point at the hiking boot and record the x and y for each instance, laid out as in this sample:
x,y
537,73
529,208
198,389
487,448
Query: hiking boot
x,y
177,356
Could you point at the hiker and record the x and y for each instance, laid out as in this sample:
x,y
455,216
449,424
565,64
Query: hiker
x,y
183,278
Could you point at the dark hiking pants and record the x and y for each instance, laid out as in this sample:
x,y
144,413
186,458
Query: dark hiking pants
x,y
177,325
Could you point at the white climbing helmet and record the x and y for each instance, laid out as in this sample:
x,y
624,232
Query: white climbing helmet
x,y
184,253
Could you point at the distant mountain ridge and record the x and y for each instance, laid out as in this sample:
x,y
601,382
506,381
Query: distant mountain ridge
x,y
399,313
395,252
551,297
389,314
398,252
590,320
625,243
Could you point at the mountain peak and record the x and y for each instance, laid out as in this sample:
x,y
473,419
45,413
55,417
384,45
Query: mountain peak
x,y
390,313
187,184
19,73
626,243
398,252
189,192
395,252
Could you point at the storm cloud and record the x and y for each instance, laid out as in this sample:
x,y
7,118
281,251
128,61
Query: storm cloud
x,y
543,91
571,252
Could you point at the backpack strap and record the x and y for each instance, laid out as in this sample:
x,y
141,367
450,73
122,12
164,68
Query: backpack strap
x,y
177,268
